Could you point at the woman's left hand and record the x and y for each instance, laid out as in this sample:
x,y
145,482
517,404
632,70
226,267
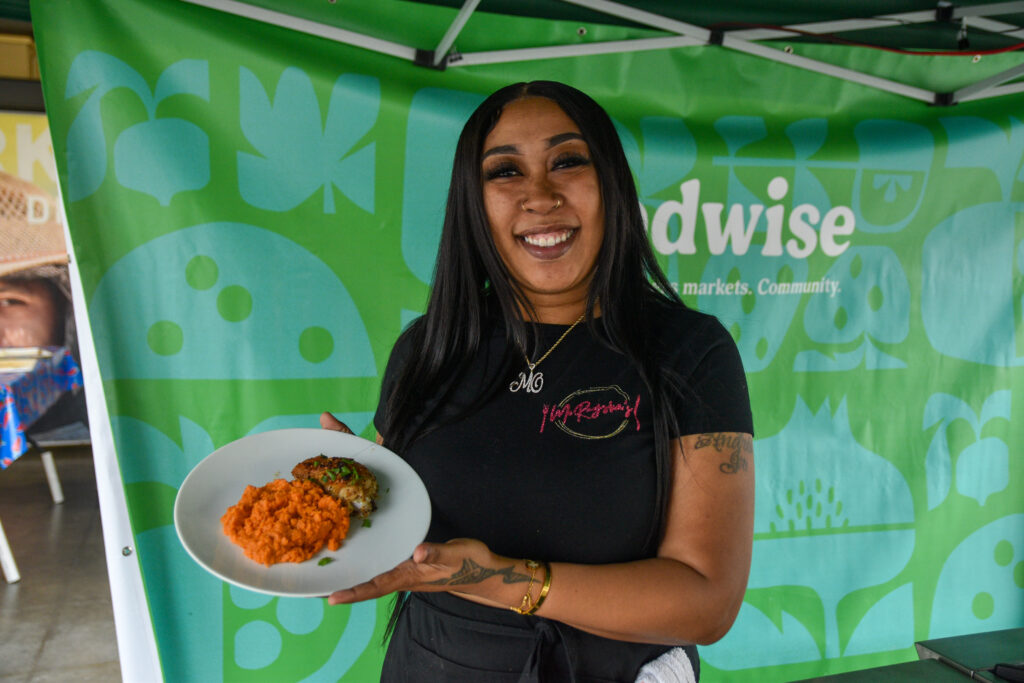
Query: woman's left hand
x,y
462,565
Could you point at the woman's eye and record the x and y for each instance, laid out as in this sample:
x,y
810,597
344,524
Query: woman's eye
x,y
571,161
501,171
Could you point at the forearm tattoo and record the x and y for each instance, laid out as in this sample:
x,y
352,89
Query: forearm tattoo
x,y
739,447
471,572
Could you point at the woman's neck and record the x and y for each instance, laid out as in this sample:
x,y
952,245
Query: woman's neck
x,y
558,313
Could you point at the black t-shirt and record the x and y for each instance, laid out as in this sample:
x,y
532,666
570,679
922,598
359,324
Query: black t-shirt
x,y
567,473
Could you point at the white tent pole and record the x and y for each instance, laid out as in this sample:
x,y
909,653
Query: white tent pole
x,y
991,9
643,17
977,13
312,28
656,21
819,27
453,31
557,51
972,91
1009,89
1000,27
829,69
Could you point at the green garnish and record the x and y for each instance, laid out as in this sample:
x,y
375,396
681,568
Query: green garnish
x,y
325,560
367,523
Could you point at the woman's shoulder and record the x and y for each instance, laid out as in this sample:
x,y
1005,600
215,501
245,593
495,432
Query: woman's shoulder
x,y
403,347
678,322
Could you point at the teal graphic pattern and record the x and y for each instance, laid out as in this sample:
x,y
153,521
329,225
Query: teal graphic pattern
x,y
186,607
217,297
436,117
831,517
893,171
874,304
300,149
981,587
967,306
982,467
160,156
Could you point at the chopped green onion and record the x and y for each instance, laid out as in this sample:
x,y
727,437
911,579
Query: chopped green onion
x,y
325,560
367,523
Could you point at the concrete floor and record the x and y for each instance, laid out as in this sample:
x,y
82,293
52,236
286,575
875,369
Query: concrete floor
x,y
56,624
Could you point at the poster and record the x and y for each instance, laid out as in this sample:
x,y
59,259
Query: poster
x,y
36,314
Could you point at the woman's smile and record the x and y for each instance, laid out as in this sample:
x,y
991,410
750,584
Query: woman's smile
x,y
543,202
549,244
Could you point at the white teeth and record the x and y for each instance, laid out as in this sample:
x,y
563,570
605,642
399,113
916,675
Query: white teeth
x,y
547,240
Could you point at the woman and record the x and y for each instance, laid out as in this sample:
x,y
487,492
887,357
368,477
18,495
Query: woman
x,y
563,406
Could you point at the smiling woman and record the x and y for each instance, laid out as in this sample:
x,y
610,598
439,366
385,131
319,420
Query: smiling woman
x,y
595,514
544,208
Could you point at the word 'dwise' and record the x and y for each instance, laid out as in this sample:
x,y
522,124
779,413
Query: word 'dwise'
x,y
800,234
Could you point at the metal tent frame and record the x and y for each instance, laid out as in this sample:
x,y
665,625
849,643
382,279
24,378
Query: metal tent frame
x,y
750,41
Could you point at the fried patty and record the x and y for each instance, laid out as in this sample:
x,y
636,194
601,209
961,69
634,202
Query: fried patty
x,y
343,478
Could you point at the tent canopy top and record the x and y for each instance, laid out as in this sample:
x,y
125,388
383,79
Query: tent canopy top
x,y
928,28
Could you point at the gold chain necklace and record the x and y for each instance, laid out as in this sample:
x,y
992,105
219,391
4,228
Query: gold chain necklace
x,y
535,381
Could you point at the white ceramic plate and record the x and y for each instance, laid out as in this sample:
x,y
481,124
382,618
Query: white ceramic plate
x,y
396,527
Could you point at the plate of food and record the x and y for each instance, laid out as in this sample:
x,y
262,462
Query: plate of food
x,y
301,512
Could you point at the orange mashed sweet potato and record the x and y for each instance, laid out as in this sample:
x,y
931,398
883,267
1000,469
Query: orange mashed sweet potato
x,y
286,521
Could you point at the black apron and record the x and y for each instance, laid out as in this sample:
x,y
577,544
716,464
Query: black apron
x,y
440,638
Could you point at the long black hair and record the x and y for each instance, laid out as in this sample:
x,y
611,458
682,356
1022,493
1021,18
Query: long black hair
x,y
472,284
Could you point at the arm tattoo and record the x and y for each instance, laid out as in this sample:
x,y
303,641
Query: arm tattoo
x,y
471,572
738,446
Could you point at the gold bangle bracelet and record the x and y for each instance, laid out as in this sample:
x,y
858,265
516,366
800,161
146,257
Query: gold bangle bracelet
x,y
544,589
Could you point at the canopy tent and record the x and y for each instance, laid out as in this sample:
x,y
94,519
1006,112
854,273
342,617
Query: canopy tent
x,y
870,408
970,28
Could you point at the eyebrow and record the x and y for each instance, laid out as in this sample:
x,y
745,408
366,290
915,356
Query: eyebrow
x,y
553,141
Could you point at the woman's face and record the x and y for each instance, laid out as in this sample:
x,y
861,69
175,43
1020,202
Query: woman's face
x,y
28,314
543,203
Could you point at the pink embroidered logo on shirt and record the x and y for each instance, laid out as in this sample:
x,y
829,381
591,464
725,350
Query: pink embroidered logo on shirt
x,y
594,413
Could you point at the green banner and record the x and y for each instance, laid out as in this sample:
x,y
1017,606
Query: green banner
x,y
255,214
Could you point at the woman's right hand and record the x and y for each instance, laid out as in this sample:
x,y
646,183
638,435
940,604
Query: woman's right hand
x,y
328,421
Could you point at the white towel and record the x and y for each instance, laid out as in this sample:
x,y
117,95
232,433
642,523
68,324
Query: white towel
x,y
672,667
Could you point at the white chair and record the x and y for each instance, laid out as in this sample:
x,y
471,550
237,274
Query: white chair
x,y
71,435
7,563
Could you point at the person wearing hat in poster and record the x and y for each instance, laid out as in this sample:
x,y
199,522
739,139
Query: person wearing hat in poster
x,y
35,294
